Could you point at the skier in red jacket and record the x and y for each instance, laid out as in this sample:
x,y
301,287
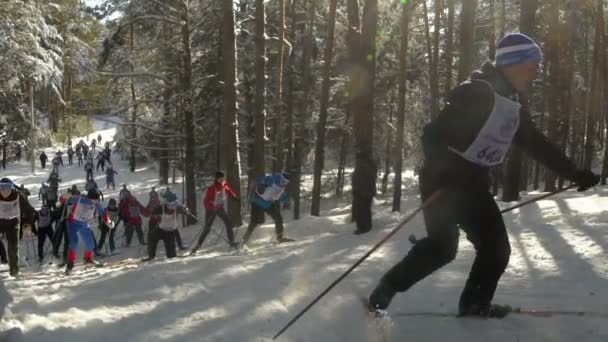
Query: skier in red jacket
x,y
214,202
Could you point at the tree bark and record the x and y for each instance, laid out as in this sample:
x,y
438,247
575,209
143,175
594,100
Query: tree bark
x,y
279,113
362,102
230,125
320,144
259,102
449,47
188,112
134,111
467,35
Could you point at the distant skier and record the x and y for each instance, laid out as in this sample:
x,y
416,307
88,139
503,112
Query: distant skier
x,y
101,161
93,145
70,156
88,168
166,227
43,159
56,163
215,200
470,135
54,181
79,156
44,222
110,172
267,194
43,193
85,151
131,210
82,212
98,139
60,155
112,211
51,199
123,194
14,212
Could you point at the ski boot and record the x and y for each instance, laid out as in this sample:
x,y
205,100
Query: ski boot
x,y
284,239
381,297
486,311
92,263
68,268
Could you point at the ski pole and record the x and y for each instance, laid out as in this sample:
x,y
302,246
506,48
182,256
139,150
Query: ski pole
x,y
213,230
406,220
536,199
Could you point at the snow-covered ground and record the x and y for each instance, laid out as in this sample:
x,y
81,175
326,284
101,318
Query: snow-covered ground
x,y
559,261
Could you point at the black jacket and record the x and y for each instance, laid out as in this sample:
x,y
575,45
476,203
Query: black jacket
x,y
457,125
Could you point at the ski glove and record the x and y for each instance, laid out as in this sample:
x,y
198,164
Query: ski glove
x,y
586,179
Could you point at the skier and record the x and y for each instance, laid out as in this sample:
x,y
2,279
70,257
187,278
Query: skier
x,y
56,162
130,210
85,151
70,156
166,227
88,167
59,154
98,139
51,199
472,133
267,194
93,145
67,201
43,159
79,157
108,152
54,181
14,211
112,211
124,193
110,172
214,202
45,229
82,212
24,191
100,161
43,194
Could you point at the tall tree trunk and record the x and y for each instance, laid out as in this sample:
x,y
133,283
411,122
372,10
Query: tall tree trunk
x,y
307,85
187,94
279,119
514,163
503,17
344,143
362,102
595,100
449,47
290,100
387,155
320,144
492,34
467,37
434,71
259,102
163,163
554,61
230,122
134,111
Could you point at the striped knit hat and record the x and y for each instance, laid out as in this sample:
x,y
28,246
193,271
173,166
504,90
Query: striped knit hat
x,y
517,48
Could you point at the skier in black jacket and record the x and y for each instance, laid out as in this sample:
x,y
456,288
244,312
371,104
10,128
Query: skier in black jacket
x,y
471,134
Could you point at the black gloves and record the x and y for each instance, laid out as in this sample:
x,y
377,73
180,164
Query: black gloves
x,y
585,179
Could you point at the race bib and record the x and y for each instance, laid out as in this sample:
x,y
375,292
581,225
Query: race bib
x,y
10,210
84,212
272,193
496,136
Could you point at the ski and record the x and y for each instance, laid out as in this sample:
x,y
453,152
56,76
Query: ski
x,y
543,313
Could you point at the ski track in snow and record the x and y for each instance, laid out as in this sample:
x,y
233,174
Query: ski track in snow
x,y
559,261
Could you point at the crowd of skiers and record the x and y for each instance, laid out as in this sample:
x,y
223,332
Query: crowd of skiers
x,y
65,220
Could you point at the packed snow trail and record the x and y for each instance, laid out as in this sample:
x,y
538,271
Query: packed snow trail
x,y
559,261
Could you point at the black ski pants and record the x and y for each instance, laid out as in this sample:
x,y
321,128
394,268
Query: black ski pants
x,y
105,231
275,213
43,233
11,229
210,216
70,160
61,232
129,228
89,174
477,214
156,234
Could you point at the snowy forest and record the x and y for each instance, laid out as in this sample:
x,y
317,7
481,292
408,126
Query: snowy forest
x,y
335,96
250,87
